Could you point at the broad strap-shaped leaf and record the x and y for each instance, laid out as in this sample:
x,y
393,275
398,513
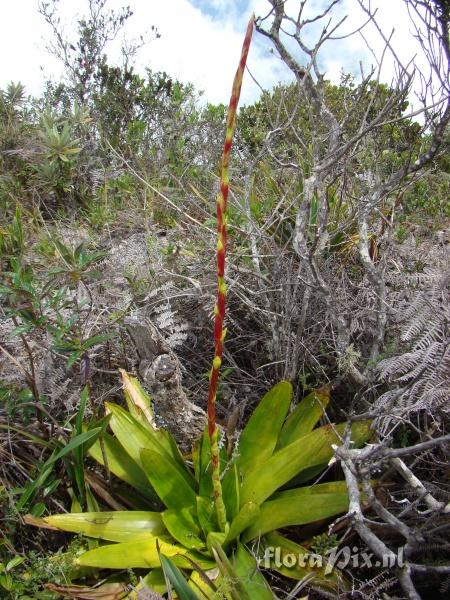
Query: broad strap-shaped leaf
x,y
170,484
175,452
247,516
273,549
122,465
138,401
310,450
134,437
141,554
304,417
206,514
259,437
131,434
250,576
184,528
202,464
118,526
231,492
298,507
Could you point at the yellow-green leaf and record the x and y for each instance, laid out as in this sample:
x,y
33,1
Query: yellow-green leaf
x,y
236,589
170,485
202,463
122,465
206,514
250,576
131,434
154,580
304,417
118,526
298,507
259,438
248,514
215,539
138,401
183,526
310,450
273,550
134,437
140,554
200,584
231,492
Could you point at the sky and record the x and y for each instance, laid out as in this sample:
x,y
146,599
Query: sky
x,y
200,42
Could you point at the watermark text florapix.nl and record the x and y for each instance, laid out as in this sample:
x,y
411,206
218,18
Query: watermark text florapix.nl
x,y
276,557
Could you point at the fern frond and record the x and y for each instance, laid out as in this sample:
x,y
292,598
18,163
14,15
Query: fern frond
x,y
421,375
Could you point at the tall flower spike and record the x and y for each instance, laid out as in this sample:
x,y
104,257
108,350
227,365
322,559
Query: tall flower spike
x,y
219,309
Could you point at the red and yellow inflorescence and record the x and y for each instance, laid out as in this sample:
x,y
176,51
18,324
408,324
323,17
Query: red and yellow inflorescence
x,y
219,308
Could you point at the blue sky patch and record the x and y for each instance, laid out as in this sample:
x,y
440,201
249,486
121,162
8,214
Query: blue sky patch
x,y
219,9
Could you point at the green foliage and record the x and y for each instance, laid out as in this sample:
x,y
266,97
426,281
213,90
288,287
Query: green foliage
x,y
283,115
12,399
426,202
58,157
323,543
45,477
12,101
47,468
26,577
46,303
6,579
12,239
58,142
12,98
77,262
137,113
25,298
401,233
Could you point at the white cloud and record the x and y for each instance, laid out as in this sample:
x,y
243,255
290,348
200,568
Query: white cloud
x,y
200,46
21,47
194,47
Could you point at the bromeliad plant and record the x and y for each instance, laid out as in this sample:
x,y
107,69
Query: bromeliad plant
x,y
218,502
262,489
